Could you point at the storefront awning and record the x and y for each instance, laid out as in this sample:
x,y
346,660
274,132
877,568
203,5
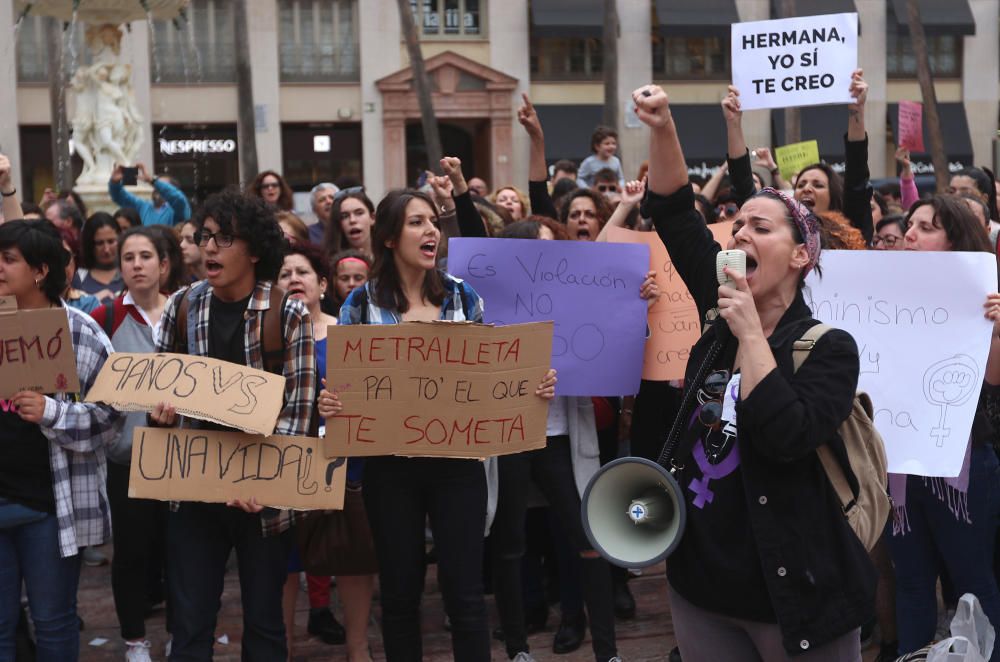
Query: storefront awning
x,y
710,18
567,18
815,7
825,124
954,132
938,17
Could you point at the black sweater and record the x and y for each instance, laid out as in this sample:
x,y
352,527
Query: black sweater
x,y
783,552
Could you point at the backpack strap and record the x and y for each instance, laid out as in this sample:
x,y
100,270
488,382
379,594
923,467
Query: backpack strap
x,y
109,319
181,328
800,352
273,332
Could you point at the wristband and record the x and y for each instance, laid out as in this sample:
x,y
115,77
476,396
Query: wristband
x,y
9,195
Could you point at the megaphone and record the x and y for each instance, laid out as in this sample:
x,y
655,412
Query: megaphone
x,y
633,512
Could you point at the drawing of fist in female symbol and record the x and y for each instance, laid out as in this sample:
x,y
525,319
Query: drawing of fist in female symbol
x,y
950,383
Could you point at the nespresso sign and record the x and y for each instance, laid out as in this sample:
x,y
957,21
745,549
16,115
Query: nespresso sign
x,y
212,146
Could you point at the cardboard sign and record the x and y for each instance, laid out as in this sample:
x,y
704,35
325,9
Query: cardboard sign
x,y
182,464
437,389
917,318
674,325
36,351
911,126
590,290
198,386
806,61
793,158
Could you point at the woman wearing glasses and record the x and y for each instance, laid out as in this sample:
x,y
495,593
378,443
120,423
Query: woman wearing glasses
x,y
889,233
768,566
272,189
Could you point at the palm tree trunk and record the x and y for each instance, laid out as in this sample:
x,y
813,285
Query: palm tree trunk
x,y
931,117
422,86
62,166
246,125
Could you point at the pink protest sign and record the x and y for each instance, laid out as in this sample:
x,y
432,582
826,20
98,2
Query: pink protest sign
x,y
911,126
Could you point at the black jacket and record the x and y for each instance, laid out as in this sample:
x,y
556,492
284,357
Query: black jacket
x,y
818,576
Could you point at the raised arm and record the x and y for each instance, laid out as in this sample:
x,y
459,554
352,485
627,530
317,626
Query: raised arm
x,y
908,193
11,209
857,189
711,187
538,172
667,170
174,196
470,223
631,195
123,198
737,155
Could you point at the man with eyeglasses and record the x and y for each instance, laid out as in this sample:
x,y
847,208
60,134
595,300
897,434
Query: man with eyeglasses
x,y
606,183
169,205
225,317
321,199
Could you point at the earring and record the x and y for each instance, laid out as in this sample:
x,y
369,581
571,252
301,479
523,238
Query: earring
x,y
38,284
322,296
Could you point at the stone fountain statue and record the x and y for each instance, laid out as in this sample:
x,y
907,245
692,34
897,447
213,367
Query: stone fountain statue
x,y
107,127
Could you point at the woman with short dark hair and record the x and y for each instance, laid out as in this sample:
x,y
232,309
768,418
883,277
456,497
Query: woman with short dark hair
x,y
52,465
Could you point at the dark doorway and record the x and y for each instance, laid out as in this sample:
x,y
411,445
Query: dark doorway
x,y
456,140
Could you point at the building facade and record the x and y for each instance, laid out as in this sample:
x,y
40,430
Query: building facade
x,y
332,86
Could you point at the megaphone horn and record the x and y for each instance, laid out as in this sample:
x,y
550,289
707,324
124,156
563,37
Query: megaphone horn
x,y
633,512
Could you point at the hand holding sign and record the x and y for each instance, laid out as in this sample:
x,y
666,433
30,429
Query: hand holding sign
x,y
30,405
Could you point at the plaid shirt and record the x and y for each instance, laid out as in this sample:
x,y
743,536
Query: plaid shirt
x,y
77,432
299,370
452,309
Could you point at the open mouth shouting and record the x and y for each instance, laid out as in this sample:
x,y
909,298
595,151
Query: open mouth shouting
x,y
429,249
212,268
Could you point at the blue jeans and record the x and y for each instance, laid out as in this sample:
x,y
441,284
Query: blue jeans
x,y
937,538
30,554
200,537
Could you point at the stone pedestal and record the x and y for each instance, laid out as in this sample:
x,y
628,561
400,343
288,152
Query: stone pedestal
x,y
96,197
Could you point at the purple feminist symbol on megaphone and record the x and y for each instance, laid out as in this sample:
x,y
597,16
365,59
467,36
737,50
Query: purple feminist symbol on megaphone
x,y
950,383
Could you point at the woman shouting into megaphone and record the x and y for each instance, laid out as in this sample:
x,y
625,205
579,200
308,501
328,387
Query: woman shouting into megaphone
x,y
768,566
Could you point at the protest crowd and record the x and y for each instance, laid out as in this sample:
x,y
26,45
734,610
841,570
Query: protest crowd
x,y
768,566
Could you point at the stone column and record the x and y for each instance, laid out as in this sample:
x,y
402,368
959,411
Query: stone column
x,y
379,44
756,123
500,150
635,68
262,33
392,156
10,138
509,53
980,73
872,58
135,51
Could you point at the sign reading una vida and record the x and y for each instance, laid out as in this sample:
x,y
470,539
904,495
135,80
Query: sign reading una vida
x,y
198,386
923,343
806,61
590,290
183,464
437,388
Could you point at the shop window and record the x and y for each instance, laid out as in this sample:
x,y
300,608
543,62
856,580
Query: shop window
x,y
449,18
566,58
318,40
943,51
691,57
200,49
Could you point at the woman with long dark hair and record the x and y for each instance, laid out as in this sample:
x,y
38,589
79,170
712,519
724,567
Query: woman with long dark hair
x,y
949,522
272,189
99,274
402,492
